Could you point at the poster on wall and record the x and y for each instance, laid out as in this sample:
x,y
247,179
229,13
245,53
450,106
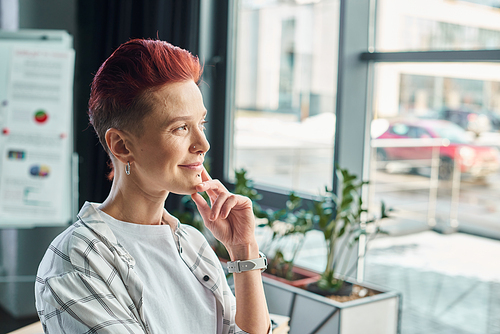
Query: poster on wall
x,y
35,138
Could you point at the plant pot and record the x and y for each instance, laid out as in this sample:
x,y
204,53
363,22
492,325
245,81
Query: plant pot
x,y
312,313
305,277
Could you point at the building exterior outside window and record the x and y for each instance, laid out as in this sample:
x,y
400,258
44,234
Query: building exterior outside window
x,y
284,110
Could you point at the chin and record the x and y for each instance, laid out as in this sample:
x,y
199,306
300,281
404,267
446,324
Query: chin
x,y
189,190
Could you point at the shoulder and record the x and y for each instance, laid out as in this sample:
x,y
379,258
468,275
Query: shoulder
x,y
57,255
80,254
73,250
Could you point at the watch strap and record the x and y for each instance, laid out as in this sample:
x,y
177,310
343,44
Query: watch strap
x,y
246,265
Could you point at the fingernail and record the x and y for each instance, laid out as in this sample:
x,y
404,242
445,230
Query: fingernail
x,y
212,217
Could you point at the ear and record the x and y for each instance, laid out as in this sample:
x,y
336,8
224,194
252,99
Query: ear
x,y
118,144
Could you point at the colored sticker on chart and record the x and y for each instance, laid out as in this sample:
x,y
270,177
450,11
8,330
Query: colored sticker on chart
x,y
40,170
16,155
41,116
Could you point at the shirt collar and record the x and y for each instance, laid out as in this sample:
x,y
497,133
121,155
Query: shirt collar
x,y
90,216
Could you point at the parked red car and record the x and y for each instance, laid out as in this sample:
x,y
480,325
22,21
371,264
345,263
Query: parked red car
x,y
475,160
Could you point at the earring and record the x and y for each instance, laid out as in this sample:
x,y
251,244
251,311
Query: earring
x,y
127,168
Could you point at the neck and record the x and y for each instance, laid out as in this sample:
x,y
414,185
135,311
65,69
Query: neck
x,y
128,202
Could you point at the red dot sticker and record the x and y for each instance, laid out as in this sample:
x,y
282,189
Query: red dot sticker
x,y
41,116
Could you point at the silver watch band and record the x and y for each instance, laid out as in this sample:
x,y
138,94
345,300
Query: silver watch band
x,y
246,265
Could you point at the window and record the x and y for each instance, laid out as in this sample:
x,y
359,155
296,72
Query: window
x,y
420,25
457,102
285,91
430,66
435,158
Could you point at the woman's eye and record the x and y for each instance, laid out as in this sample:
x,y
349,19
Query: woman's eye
x,y
202,125
182,128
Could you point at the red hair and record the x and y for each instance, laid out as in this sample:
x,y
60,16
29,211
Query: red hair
x,y
121,89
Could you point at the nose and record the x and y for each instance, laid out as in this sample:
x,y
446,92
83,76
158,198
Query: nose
x,y
200,144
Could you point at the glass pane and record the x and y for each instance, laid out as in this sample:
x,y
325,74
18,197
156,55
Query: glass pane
x,y
459,105
285,90
422,25
435,160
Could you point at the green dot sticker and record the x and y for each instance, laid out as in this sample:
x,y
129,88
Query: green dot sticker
x,y
41,116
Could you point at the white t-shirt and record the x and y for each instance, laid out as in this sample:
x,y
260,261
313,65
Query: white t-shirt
x,y
174,300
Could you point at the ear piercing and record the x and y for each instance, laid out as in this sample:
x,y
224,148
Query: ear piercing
x,y
127,168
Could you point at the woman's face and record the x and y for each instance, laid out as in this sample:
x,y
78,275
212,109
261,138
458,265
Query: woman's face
x,y
169,155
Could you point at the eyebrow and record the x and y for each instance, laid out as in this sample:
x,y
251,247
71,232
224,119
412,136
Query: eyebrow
x,y
181,118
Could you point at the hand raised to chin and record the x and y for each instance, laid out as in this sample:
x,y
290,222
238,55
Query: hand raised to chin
x,y
229,217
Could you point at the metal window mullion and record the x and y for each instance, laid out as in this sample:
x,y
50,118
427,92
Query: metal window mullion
x,y
433,56
213,52
352,90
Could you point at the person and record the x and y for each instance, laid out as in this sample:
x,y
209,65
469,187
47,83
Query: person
x,y
127,265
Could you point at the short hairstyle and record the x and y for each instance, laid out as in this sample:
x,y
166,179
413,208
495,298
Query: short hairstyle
x,y
121,91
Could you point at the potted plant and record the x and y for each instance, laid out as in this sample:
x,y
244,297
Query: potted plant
x,y
342,219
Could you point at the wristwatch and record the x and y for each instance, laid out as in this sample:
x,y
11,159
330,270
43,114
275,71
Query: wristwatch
x,y
246,265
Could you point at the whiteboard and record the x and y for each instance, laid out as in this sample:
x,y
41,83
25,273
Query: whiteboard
x,y
36,137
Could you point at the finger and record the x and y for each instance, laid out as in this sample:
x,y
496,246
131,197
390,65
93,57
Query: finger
x,y
205,176
218,204
207,187
202,206
228,205
212,187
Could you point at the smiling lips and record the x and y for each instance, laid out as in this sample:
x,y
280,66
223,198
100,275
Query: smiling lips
x,y
197,166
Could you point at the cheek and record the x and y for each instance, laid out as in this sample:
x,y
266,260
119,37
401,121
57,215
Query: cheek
x,y
171,155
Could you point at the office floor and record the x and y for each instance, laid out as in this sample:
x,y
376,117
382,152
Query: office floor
x,y
450,282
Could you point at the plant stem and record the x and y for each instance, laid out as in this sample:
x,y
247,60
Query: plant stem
x,y
343,272
295,252
331,253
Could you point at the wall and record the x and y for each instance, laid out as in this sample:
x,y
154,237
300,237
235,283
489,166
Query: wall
x,y
48,14
22,249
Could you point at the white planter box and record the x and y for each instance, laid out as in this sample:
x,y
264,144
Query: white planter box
x,y
311,313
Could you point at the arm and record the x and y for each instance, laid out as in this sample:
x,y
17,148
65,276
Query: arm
x,y
231,220
79,287
74,303
251,309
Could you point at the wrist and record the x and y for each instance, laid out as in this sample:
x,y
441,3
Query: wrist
x,y
244,252
240,266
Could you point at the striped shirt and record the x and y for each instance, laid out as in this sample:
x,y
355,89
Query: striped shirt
x,y
86,282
